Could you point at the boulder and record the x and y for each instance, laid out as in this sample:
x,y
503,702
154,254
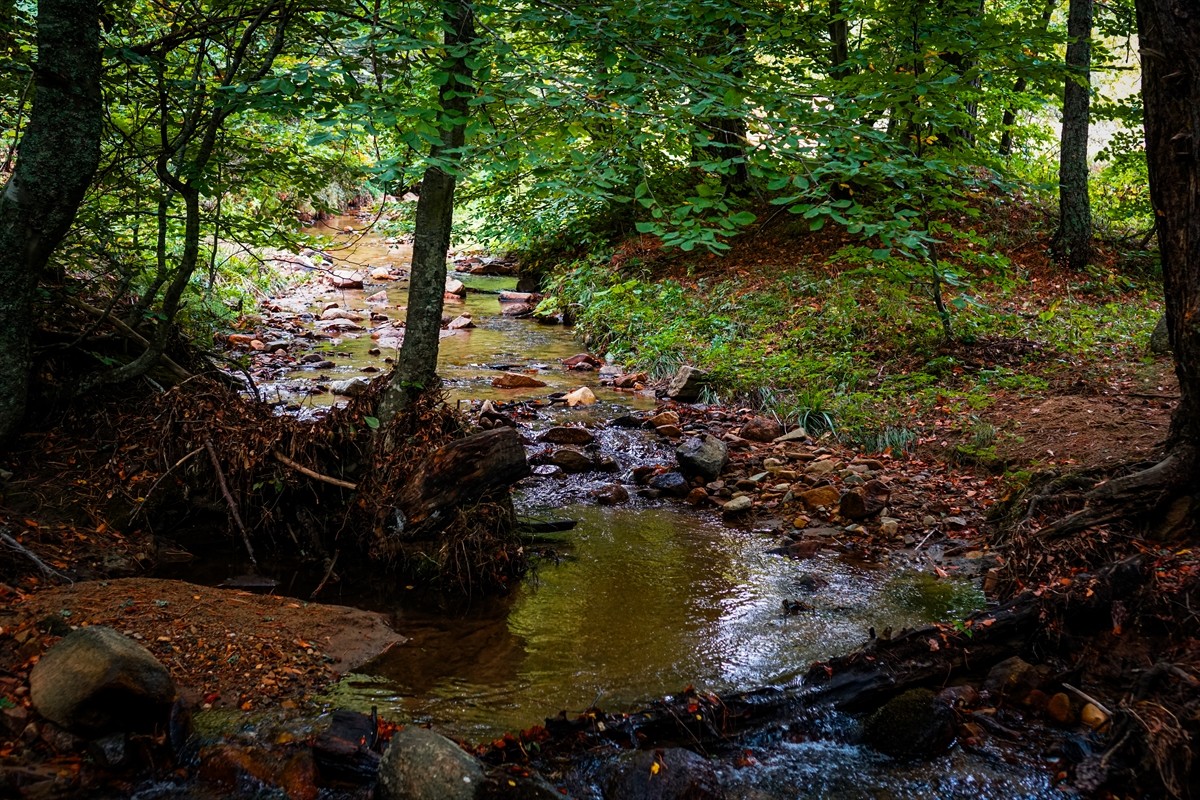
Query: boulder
x,y
686,385
421,765
351,387
567,434
1160,338
583,396
864,501
794,435
456,287
915,724
761,429
98,681
379,298
630,380
517,309
668,774
571,461
461,322
663,418
1012,679
346,279
672,483
611,494
737,506
582,361
341,313
515,380
821,497
705,456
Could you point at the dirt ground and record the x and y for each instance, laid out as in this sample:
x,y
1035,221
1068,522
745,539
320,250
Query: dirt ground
x,y
223,647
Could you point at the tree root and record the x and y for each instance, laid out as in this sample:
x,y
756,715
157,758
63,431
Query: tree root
x,y
1129,496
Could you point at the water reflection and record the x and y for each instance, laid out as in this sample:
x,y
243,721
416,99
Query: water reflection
x,y
648,601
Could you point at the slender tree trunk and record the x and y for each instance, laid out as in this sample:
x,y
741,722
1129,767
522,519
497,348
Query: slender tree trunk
x,y
416,367
728,133
1169,34
1074,238
1010,113
58,157
839,40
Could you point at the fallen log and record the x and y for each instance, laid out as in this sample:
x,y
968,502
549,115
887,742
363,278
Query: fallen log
x,y
464,471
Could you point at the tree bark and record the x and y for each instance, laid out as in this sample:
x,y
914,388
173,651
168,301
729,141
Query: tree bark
x,y
1073,241
466,470
1169,34
57,159
416,365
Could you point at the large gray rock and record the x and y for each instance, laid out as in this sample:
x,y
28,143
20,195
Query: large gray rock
x,y
687,384
421,765
98,681
916,724
668,774
705,455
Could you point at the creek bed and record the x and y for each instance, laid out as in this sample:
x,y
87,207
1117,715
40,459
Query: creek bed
x,y
642,600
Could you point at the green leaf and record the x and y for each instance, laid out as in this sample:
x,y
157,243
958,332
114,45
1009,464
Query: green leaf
x,y
372,422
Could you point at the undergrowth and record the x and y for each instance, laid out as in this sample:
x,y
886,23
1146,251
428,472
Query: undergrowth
x,y
834,350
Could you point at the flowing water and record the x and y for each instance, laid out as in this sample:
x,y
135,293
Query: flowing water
x,y
640,601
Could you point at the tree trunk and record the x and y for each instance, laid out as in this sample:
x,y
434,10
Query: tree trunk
x,y
57,159
1074,238
416,366
839,40
1010,113
1169,33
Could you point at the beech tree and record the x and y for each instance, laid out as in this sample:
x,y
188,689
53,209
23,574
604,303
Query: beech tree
x,y
1169,34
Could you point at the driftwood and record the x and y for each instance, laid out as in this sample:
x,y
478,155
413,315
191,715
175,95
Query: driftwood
x,y
466,470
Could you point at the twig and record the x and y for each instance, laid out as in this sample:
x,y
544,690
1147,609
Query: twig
x,y
316,476
237,518
1087,698
48,571
129,332
328,572
154,485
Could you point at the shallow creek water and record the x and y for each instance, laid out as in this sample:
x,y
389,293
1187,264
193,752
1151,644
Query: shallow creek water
x,y
640,601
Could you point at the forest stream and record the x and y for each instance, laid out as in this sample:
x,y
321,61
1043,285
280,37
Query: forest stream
x,y
636,602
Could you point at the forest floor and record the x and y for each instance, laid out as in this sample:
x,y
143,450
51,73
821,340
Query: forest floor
x,y
231,649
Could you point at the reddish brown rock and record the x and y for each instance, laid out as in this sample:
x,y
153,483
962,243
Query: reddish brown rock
x,y
761,429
